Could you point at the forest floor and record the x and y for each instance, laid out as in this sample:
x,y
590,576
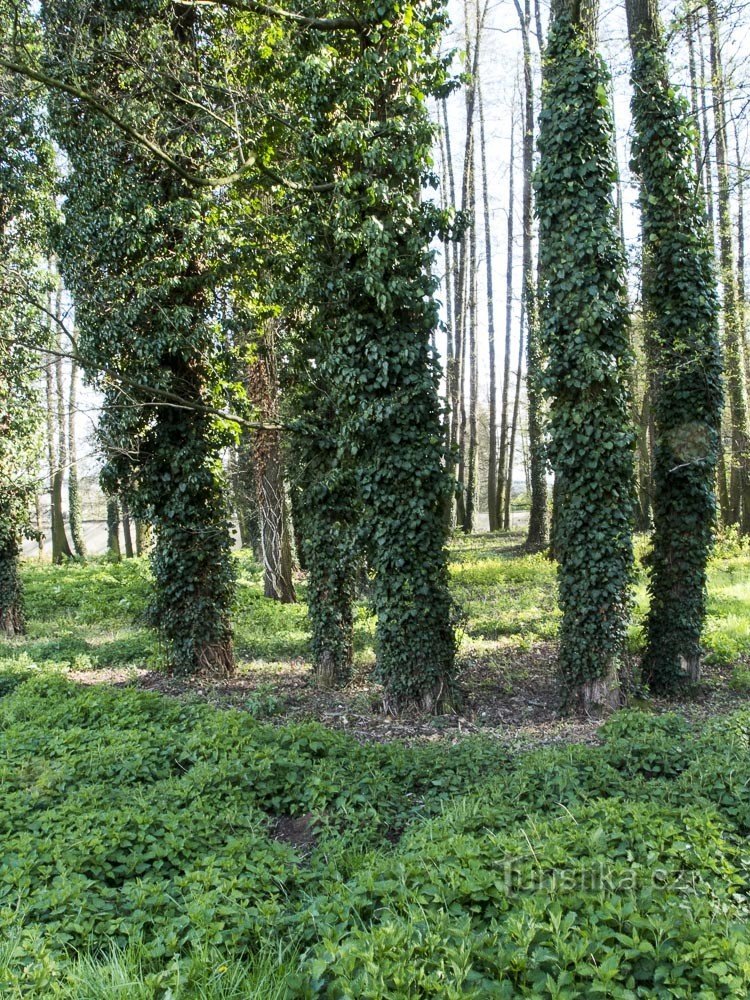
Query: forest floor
x,y
165,840
84,620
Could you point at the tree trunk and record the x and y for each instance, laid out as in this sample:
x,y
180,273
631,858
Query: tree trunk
x,y
143,540
585,316
113,530
707,173
536,538
126,530
734,360
452,372
11,607
492,469
504,462
643,521
74,493
40,536
268,469
56,445
471,451
682,346
694,107
461,307
741,294
513,431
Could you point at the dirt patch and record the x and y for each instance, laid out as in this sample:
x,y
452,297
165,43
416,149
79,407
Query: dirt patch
x,y
297,831
512,695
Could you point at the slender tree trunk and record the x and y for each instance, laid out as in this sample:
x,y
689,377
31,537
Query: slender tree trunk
x,y
492,469
722,488
126,529
536,538
114,552
447,194
452,366
56,428
741,293
471,449
514,431
142,537
733,327
643,424
707,173
504,464
40,536
694,107
74,493
463,282
268,467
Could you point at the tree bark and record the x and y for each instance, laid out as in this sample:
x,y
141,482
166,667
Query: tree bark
x,y
268,469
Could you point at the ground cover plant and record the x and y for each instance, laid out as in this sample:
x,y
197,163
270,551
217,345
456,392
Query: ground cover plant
x,y
168,845
171,847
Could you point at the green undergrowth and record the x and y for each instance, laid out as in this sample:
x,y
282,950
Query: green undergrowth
x,y
156,848
90,616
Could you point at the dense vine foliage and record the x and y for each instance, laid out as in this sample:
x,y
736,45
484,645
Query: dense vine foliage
x,y
682,343
25,177
367,278
585,342
139,258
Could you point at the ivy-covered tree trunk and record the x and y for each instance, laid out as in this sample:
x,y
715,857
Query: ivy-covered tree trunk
x,y
370,240
682,346
585,341
325,509
330,544
26,171
144,283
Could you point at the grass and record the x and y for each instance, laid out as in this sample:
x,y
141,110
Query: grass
x,y
90,616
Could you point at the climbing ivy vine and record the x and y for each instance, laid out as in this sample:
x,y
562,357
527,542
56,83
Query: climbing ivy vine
x,y
139,258
25,209
682,344
585,343
366,279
